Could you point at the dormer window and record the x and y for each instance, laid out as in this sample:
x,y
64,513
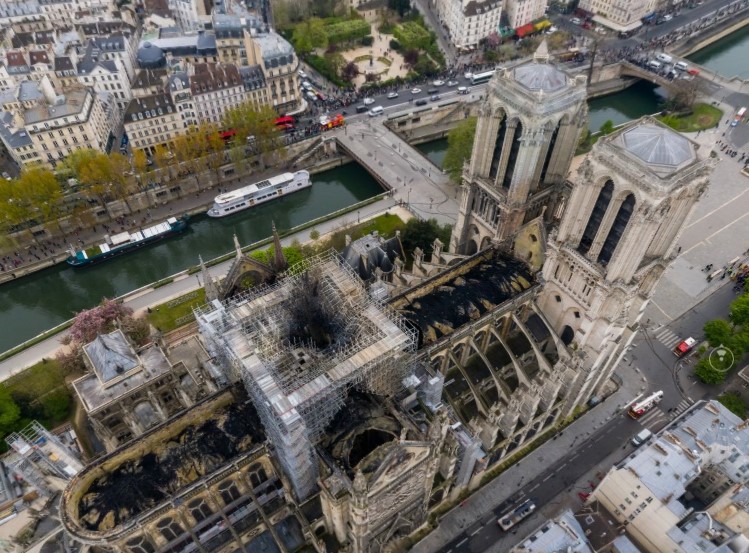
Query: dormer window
x,y
135,116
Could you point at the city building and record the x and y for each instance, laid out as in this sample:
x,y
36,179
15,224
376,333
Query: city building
x,y
129,390
469,21
279,63
619,15
230,41
191,15
41,126
686,489
177,51
149,82
215,88
563,533
151,121
104,75
522,12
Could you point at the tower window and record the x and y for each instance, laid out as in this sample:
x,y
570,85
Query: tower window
x,y
596,216
533,238
497,152
558,298
577,314
617,229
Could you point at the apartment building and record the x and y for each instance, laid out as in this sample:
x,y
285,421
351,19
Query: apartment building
x,y
190,15
522,12
618,15
685,490
279,63
41,126
229,31
149,82
65,12
178,87
215,89
470,21
104,75
150,121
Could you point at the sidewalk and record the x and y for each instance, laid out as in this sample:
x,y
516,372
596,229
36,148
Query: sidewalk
x,y
479,506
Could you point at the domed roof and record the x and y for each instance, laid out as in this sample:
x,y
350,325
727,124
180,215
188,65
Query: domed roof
x,y
540,76
657,145
150,54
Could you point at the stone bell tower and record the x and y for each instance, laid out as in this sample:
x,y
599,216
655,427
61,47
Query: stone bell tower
x,y
630,200
527,132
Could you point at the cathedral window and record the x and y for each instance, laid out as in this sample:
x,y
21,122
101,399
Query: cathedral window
x,y
558,298
497,152
170,529
140,545
596,216
199,510
229,491
577,314
513,158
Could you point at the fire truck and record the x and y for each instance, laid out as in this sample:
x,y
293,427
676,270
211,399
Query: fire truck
x,y
642,407
328,122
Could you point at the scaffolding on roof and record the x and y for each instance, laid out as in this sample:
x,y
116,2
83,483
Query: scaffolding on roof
x,y
297,376
42,449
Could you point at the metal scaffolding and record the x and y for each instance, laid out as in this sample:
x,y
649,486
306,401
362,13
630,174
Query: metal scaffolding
x,y
37,447
297,384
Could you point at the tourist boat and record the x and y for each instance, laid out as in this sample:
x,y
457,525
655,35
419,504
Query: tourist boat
x,y
126,242
258,193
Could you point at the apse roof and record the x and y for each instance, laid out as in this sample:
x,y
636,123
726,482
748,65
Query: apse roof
x,y
540,76
658,147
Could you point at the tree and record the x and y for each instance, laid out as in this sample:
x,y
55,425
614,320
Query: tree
x,y
89,323
140,165
493,40
395,45
349,71
734,403
718,332
411,57
10,412
44,194
739,311
707,373
684,92
56,404
607,127
336,62
96,176
310,34
421,233
400,6
122,184
460,146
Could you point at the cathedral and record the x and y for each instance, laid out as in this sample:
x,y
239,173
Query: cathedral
x,y
348,398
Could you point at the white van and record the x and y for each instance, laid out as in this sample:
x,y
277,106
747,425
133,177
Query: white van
x,y
375,111
665,58
462,90
641,438
681,65
654,64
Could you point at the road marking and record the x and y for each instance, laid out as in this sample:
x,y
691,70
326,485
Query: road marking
x,y
563,465
545,479
716,209
534,487
477,530
462,542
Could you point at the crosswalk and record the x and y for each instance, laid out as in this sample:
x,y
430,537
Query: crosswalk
x,y
667,337
656,418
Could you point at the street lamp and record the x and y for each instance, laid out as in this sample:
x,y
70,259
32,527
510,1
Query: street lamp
x,y
408,198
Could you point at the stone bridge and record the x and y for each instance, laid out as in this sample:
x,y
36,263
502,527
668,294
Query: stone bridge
x,y
397,166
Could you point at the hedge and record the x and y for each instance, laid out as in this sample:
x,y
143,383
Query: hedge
x,y
412,35
322,66
345,31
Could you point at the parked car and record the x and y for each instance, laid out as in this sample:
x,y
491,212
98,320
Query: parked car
x,y
452,83
576,21
415,91
468,75
434,98
438,83
392,95
421,102
368,101
668,17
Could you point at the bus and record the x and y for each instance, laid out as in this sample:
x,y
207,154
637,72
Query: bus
x,y
285,123
739,116
642,407
518,513
484,77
